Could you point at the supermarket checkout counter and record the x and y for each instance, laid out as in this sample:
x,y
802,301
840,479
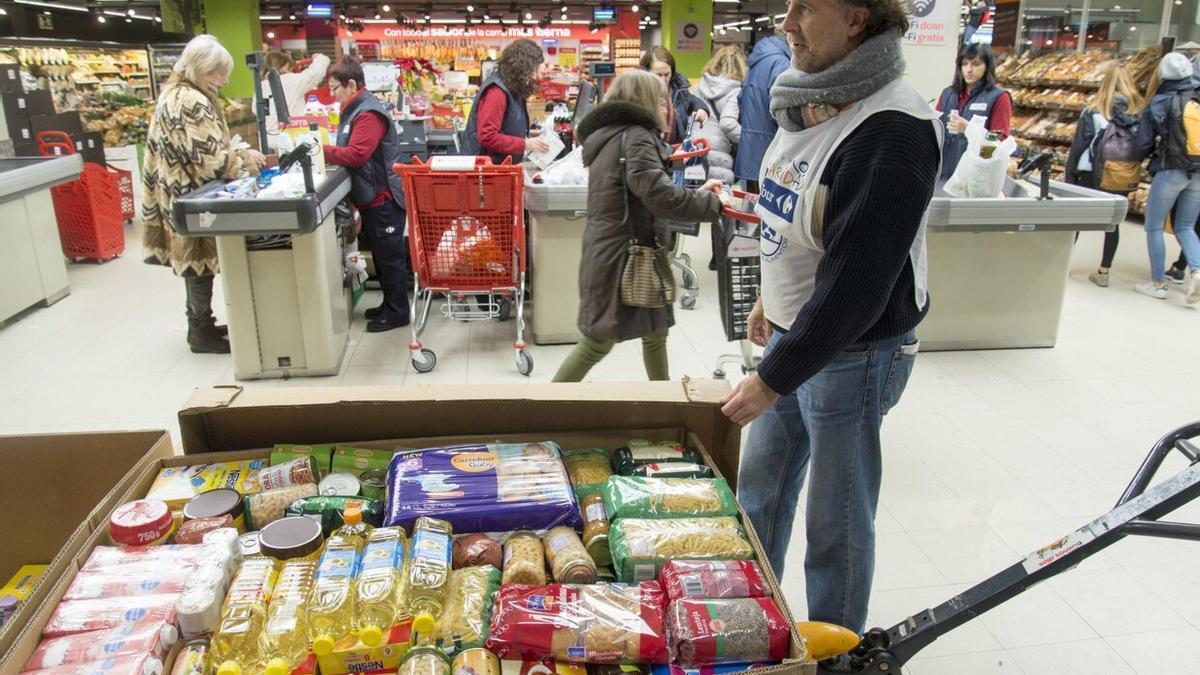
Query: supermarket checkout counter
x,y
283,272
32,267
557,218
998,267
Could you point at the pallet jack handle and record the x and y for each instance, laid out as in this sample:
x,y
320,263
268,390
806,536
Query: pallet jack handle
x,y
1137,512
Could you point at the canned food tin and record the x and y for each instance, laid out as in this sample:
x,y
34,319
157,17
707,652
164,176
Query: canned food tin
x,y
193,660
340,484
476,662
425,660
141,523
373,483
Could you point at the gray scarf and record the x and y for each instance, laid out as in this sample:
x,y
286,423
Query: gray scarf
x,y
800,100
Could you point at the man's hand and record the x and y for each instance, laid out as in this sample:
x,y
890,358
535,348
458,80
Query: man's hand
x,y
751,398
701,116
536,144
712,185
758,329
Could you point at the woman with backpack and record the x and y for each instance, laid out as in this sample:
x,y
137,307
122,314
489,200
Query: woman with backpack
x,y
1103,154
1169,133
720,86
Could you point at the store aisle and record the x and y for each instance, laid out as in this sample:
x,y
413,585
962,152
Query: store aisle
x,y
989,456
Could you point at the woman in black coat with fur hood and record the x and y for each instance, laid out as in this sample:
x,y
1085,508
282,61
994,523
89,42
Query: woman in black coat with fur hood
x,y
628,161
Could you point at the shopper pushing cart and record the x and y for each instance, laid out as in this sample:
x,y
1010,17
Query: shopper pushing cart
x,y
466,236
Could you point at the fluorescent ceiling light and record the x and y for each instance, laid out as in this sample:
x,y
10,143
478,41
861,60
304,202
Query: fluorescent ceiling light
x,y
53,5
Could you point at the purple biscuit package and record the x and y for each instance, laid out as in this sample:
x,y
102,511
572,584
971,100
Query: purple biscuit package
x,y
500,487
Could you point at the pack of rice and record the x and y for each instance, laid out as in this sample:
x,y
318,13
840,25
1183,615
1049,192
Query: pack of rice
x,y
738,630
641,452
640,547
630,497
464,621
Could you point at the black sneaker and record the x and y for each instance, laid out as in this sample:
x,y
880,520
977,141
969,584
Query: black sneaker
x,y
384,323
373,313
1177,275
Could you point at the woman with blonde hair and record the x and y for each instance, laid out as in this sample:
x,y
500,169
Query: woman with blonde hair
x,y
1117,103
186,147
629,191
720,87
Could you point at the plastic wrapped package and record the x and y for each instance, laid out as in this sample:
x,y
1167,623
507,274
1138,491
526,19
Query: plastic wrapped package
x,y
472,550
726,669
328,510
524,560
589,469
199,611
739,630
467,614
483,488
713,579
264,508
672,470
631,497
134,560
601,623
192,532
100,645
640,452
129,664
112,583
297,471
641,547
82,616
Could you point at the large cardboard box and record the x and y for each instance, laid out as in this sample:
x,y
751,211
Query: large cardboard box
x,y
60,485
232,423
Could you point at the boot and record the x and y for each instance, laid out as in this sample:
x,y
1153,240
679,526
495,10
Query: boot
x,y
217,328
203,338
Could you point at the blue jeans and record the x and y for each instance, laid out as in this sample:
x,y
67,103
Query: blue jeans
x,y
831,422
1172,188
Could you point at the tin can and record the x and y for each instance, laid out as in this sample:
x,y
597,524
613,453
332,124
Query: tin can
x,y
425,660
374,483
193,660
476,662
340,485
143,522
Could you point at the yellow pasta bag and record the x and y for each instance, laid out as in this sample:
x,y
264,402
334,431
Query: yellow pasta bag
x,y
464,621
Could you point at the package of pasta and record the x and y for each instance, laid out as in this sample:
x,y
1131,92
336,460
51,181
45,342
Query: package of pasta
x,y
498,487
739,630
640,452
640,547
672,470
599,623
713,579
463,623
589,469
629,497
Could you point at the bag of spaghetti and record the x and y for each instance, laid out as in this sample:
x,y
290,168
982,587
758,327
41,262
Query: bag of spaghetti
x,y
629,497
464,621
641,547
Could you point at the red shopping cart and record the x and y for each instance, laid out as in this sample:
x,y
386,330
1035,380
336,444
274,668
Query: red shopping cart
x,y
91,210
466,234
735,240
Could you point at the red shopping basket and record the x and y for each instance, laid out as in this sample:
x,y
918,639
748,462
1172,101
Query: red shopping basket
x,y
91,215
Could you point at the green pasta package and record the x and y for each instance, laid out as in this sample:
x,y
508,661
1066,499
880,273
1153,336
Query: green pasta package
x,y
464,622
640,547
631,497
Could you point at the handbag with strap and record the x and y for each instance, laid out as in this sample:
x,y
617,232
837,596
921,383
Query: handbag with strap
x,y
647,280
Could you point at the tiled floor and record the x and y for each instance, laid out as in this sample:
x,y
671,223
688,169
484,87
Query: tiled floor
x,y
990,455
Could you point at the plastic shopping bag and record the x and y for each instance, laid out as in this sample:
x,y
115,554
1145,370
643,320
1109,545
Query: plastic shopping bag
x,y
978,176
567,171
467,249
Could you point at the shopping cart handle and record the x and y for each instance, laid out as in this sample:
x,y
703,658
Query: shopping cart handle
x,y
751,218
52,143
702,147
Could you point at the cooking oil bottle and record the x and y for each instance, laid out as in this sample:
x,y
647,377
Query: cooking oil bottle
x,y
235,647
284,642
380,584
331,610
429,566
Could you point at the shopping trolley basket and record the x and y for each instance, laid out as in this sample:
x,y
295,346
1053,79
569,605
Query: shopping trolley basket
x,y
736,253
90,211
689,168
467,241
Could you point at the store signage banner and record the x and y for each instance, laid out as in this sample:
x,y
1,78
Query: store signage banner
x,y
689,36
929,21
1004,27
377,31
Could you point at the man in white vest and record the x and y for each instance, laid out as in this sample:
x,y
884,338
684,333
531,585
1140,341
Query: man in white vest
x,y
844,190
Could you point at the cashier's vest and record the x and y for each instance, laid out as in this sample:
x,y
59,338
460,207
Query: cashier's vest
x,y
376,175
515,122
980,103
792,202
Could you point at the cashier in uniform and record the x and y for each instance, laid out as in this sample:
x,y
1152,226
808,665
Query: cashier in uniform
x,y
367,146
498,126
974,93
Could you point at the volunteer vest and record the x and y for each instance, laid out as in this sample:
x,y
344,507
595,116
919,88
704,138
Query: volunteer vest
x,y
516,121
792,202
376,175
979,103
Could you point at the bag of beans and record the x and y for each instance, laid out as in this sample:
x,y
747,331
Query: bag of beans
x,y
713,632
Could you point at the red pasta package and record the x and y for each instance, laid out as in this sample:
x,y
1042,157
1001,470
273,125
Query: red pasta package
x,y
601,623
713,579
739,630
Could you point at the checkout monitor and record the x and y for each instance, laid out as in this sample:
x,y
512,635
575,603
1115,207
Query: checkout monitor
x,y
584,102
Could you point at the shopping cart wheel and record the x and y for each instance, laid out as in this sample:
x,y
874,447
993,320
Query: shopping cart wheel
x,y
687,301
426,363
506,307
524,363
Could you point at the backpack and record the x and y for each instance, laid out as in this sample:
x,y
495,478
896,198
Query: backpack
x,y
1115,159
1185,126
